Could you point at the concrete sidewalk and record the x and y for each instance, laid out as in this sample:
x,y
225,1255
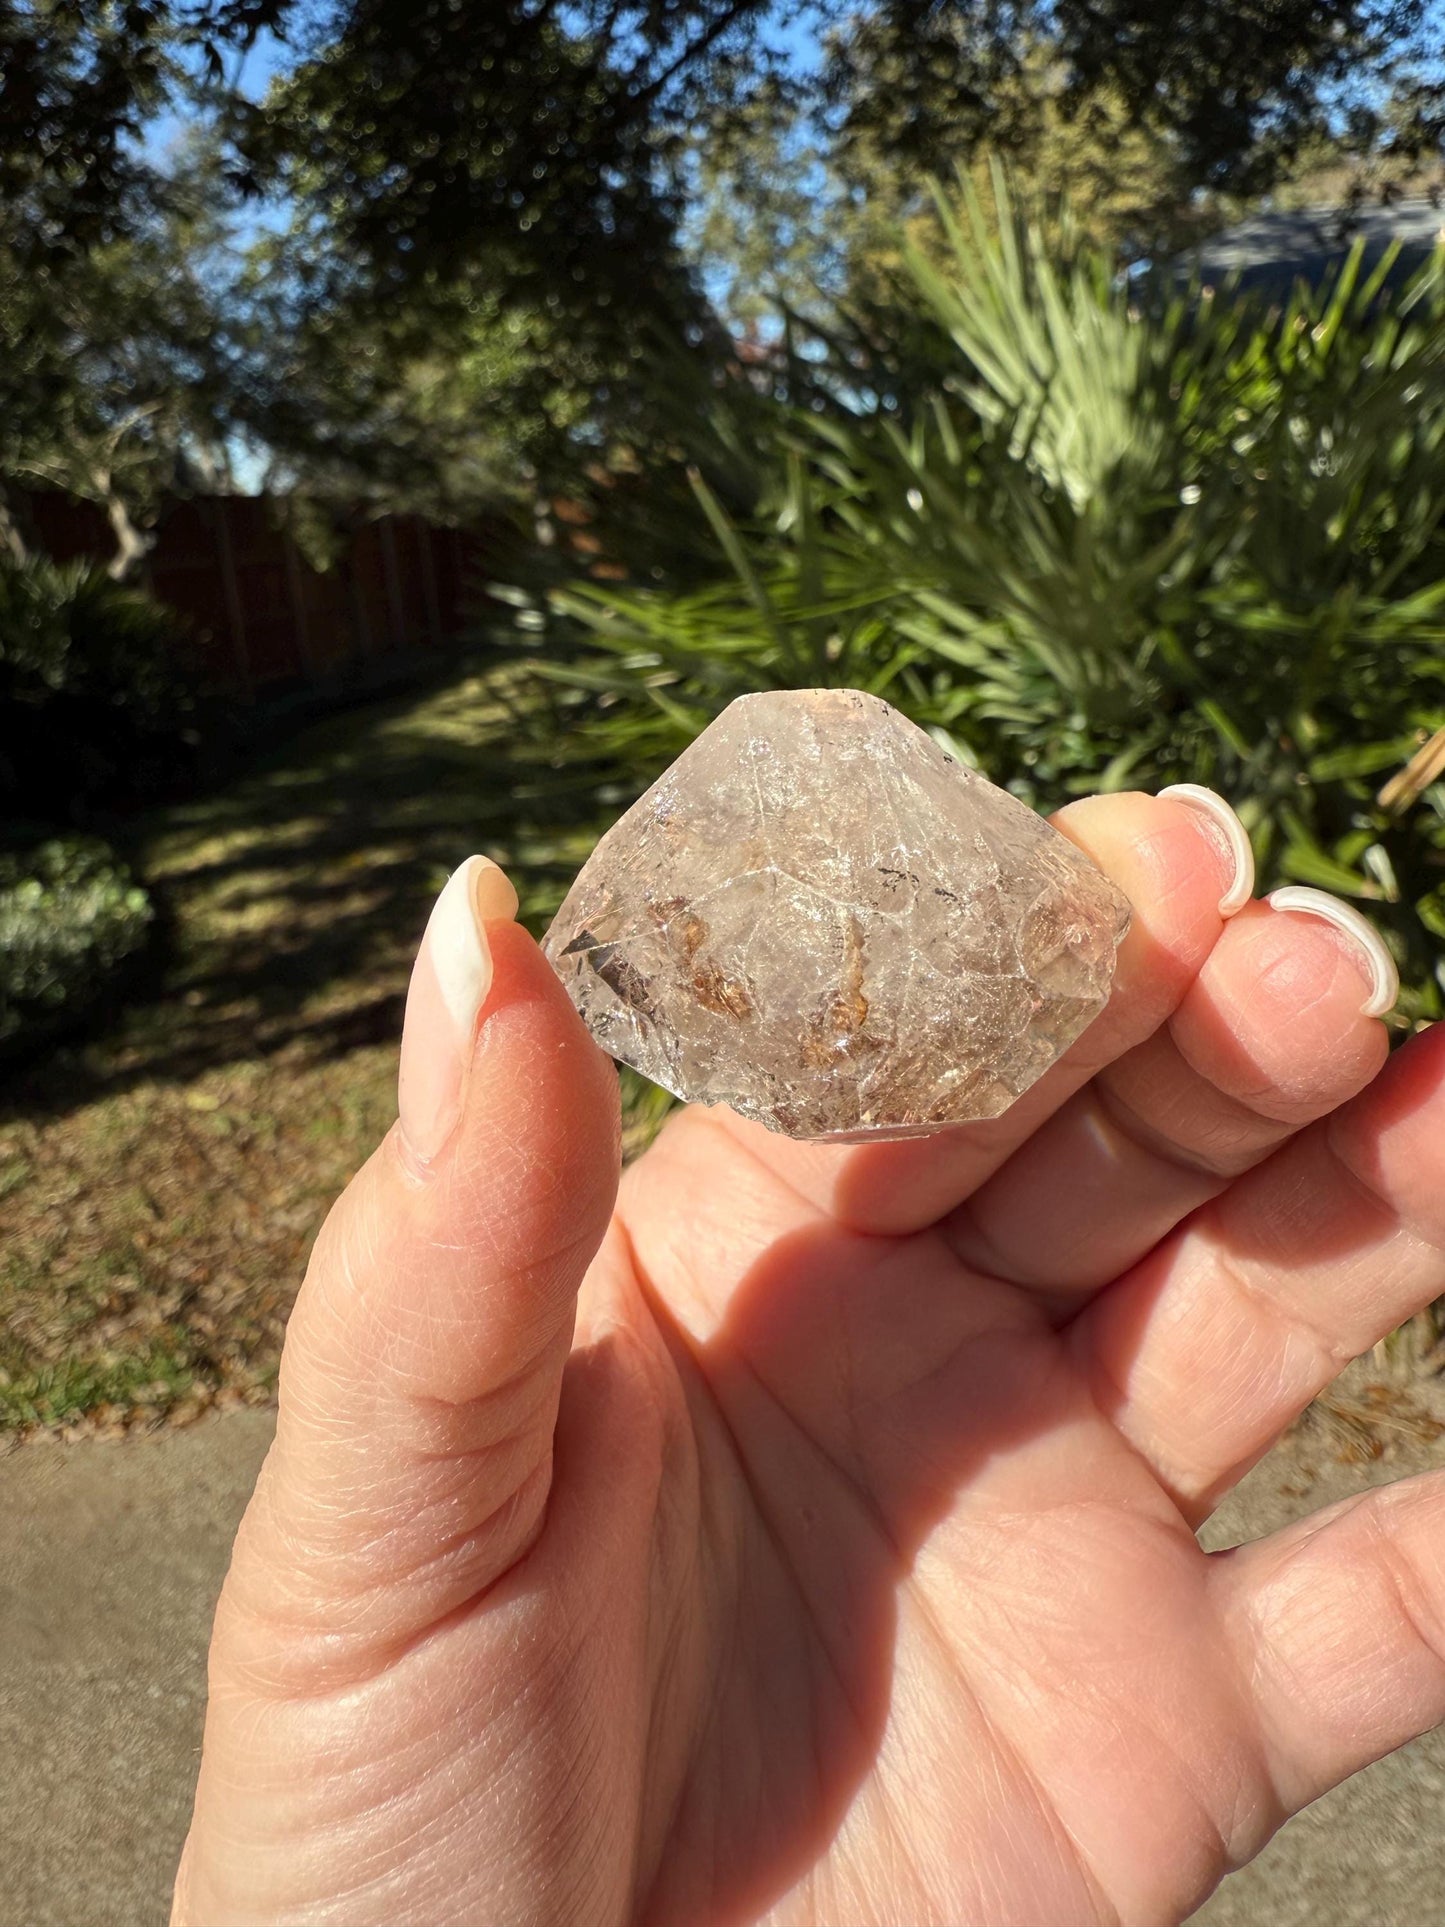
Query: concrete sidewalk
x,y
114,1553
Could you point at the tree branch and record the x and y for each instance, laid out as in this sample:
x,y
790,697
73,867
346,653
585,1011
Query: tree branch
x,y
729,17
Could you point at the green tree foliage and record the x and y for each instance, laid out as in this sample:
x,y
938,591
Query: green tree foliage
x,y
533,135
94,708
1152,126
785,217
483,194
79,80
70,917
447,399
1236,88
560,132
412,406
559,138
771,223
485,266
544,157
115,365
109,335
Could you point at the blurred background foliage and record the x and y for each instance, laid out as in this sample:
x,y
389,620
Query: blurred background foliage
x,y
71,917
426,253
1095,534
96,707
98,717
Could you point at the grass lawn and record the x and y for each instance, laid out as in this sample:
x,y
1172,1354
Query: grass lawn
x,y
160,1187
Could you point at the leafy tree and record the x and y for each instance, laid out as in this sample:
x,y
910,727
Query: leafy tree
x,y
533,137
1236,88
482,272
784,216
550,154
79,81
770,221
562,131
561,142
114,370
488,202
443,404
106,333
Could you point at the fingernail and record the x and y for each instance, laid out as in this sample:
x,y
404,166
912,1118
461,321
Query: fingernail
x,y
1229,835
1366,946
449,986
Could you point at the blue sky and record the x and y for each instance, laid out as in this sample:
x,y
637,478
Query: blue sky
x,y
262,60
797,38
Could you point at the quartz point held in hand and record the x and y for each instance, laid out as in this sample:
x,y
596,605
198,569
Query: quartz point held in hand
x,y
821,918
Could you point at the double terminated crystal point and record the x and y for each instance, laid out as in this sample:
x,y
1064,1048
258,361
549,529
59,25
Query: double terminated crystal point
x,y
821,918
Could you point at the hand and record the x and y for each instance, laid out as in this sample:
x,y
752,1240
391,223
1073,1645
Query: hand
x,y
831,1557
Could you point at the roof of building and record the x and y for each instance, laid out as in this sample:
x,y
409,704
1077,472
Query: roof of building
x,y
1275,248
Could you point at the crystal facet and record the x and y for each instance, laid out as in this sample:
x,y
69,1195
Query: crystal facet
x,y
820,917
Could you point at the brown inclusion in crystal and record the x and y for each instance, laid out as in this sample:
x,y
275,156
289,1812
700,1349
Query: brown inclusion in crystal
x,y
820,917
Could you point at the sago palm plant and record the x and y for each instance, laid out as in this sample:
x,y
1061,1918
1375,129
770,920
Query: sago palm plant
x,y
1103,539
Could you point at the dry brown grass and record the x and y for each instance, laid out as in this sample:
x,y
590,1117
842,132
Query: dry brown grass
x,y
160,1186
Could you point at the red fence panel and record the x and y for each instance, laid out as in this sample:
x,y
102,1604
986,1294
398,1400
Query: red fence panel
x,y
260,616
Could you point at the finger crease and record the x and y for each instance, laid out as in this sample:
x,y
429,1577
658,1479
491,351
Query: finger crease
x,y
1146,1137
1283,1318
1373,1196
1411,1597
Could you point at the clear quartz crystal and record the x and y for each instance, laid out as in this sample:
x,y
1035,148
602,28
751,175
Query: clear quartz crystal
x,y
821,918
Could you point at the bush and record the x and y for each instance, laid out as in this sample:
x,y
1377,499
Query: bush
x,y
1096,546
70,917
94,704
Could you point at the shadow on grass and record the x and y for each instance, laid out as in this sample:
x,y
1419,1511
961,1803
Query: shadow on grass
x,y
292,901
161,1184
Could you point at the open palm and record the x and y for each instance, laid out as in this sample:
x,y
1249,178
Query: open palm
x,y
837,1564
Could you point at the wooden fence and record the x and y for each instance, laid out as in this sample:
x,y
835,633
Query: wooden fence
x,y
260,615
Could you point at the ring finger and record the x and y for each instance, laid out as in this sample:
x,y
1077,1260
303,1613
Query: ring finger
x,y
1220,1337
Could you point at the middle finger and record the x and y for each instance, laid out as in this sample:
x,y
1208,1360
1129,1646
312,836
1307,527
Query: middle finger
x,y
1279,1028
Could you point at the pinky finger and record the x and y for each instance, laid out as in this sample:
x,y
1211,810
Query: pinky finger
x,y
1338,1628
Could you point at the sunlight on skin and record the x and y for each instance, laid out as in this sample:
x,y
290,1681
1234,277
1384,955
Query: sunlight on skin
x,y
829,1559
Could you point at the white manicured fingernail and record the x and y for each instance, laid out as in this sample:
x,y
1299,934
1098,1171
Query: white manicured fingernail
x,y
1366,944
449,986
1235,837
456,936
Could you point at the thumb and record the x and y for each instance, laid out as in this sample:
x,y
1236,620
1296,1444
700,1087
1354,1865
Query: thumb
x,y
423,1363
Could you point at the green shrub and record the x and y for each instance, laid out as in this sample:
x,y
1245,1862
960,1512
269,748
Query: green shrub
x,y
95,707
1098,545
70,917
